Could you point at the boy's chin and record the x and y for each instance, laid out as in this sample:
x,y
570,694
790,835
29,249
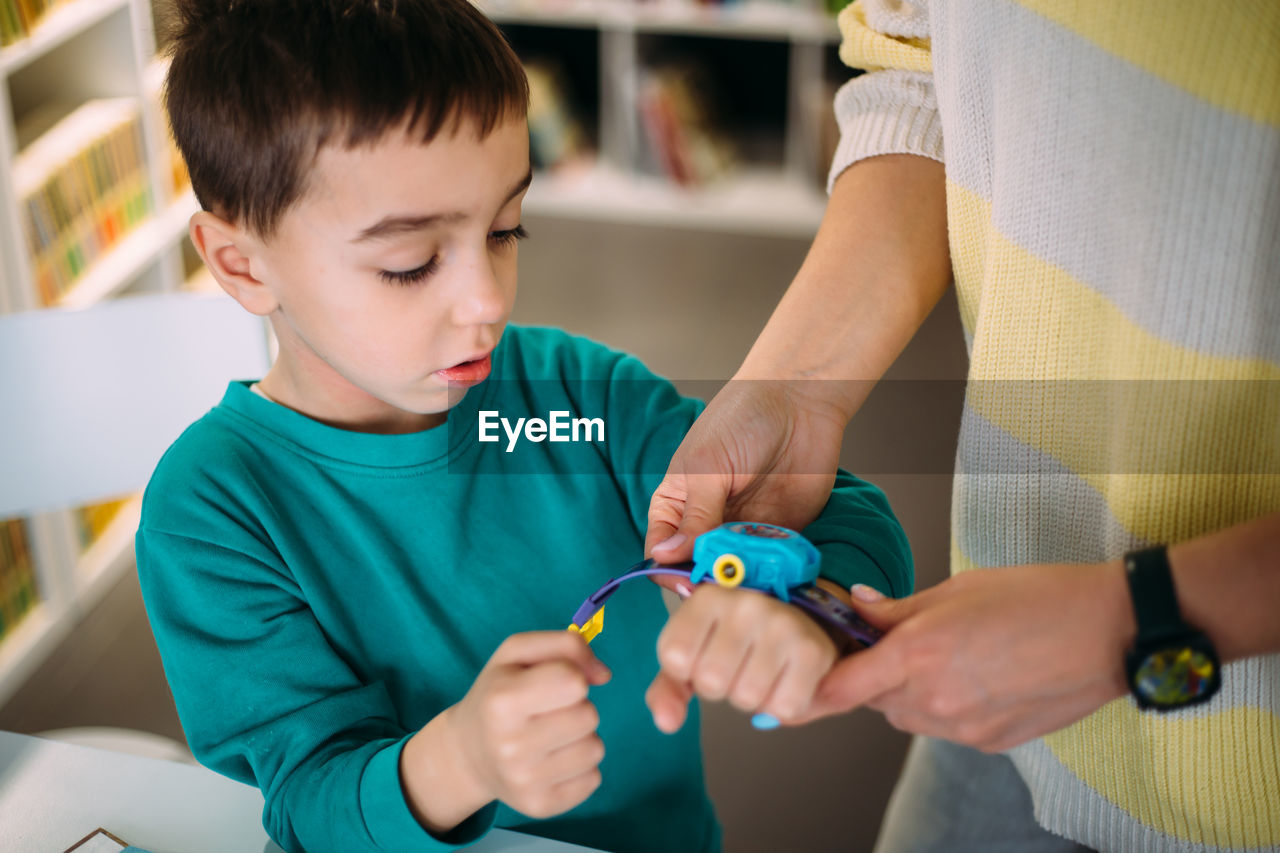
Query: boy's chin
x,y
438,401
455,395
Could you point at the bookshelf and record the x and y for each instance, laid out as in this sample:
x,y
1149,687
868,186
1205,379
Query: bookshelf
x,y
78,53
775,70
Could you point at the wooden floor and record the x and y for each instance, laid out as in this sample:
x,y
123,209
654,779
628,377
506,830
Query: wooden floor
x,y
690,304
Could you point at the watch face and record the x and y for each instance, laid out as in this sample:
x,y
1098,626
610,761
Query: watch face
x,y
1176,676
764,531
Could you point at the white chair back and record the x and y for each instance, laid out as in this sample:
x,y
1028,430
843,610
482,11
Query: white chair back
x,y
91,398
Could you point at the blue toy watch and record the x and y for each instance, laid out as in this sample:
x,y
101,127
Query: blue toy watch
x,y
765,557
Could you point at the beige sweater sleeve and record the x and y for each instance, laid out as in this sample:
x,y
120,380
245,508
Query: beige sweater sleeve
x,y
892,108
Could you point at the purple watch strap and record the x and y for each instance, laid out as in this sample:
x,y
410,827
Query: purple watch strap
x,y
833,611
640,569
812,599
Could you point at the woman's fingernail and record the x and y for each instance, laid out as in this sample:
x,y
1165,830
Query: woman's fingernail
x,y
862,592
674,541
683,589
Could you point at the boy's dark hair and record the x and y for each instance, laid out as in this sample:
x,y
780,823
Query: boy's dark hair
x,y
257,87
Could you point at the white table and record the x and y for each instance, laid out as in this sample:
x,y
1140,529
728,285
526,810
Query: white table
x,y
53,794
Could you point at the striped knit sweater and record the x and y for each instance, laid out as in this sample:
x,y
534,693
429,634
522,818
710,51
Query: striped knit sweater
x,y
1113,200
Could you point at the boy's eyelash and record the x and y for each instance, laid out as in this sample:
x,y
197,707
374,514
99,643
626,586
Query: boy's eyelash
x,y
509,237
413,276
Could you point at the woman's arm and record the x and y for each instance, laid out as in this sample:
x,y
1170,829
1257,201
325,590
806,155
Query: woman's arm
x,y
878,265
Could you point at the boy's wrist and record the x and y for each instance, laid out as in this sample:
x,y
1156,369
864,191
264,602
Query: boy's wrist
x,y
843,643
439,785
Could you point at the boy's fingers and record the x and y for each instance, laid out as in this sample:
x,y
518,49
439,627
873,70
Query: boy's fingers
x,y
857,680
572,759
682,640
574,791
535,647
727,653
546,687
548,732
758,680
668,701
796,687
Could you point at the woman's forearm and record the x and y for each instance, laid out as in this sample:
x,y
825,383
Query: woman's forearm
x,y
1229,586
877,267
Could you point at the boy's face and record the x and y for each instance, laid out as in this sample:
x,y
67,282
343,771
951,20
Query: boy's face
x,y
393,277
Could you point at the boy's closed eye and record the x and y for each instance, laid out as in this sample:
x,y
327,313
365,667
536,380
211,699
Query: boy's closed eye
x,y
501,239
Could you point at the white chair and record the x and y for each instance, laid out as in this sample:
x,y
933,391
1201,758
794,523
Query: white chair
x,y
89,400
92,397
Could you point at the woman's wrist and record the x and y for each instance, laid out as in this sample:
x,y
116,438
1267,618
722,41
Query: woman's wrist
x,y
877,267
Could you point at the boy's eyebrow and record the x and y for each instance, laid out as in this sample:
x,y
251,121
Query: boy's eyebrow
x,y
392,225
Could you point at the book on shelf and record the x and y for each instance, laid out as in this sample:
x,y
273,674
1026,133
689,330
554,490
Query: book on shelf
x,y
94,519
19,17
201,281
679,131
556,137
176,171
82,184
17,576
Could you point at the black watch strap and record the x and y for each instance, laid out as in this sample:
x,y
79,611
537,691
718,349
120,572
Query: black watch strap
x,y
1155,600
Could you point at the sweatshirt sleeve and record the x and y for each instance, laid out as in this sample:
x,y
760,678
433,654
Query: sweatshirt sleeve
x,y
892,108
266,700
857,533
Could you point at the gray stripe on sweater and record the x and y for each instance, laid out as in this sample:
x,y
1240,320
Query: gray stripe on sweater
x,y
1066,806
1013,505
1164,204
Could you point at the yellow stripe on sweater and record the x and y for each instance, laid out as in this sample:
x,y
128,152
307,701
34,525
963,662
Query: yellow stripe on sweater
x,y
863,47
1163,463
1236,748
968,236
1227,54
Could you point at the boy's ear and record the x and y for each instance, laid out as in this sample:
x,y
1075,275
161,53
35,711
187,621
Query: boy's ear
x,y
225,250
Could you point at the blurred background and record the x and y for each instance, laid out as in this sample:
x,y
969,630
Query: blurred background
x,y
681,151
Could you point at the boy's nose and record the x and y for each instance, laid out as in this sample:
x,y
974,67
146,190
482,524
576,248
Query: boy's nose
x,y
483,299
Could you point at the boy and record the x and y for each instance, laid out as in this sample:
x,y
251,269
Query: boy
x,y
359,603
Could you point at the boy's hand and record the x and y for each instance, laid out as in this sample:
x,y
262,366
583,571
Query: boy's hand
x,y
526,729
742,645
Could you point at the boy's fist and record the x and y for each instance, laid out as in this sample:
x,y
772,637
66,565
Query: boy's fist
x,y
741,645
526,728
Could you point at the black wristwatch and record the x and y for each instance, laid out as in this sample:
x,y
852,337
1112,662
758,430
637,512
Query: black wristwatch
x,y
1171,664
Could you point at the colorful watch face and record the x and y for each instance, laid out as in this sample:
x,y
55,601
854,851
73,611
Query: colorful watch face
x,y
1175,676
761,556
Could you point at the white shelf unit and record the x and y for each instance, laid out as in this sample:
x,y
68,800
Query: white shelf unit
x,y
784,197
83,49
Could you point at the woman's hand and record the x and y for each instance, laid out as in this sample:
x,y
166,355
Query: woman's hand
x,y
763,450
991,658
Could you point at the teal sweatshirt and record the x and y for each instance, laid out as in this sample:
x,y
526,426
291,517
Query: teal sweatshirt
x,y
318,595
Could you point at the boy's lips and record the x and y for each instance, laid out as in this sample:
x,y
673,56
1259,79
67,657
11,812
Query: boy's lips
x,y
470,372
